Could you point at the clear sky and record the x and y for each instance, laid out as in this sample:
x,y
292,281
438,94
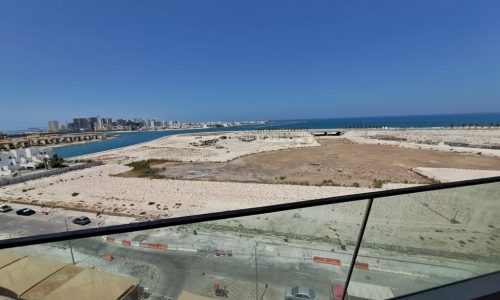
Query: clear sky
x,y
235,60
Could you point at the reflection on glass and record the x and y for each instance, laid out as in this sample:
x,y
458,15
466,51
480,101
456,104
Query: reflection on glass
x,y
296,253
418,241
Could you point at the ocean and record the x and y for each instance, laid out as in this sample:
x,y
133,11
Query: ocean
x,y
130,138
393,121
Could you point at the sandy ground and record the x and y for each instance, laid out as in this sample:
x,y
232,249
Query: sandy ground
x,y
301,158
337,162
486,141
208,147
454,174
95,189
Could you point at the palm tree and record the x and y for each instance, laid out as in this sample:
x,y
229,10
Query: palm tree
x,y
56,161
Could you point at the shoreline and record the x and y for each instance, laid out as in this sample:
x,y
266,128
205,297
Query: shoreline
x,y
80,143
147,142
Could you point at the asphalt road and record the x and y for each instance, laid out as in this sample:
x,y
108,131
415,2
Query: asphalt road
x,y
13,225
168,273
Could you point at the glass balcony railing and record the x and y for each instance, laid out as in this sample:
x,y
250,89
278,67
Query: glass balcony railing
x,y
429,239
369,246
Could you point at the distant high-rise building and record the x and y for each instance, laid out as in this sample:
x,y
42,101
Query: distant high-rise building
x,y
139,121
150,123
54,126
82,124
104,121
94,124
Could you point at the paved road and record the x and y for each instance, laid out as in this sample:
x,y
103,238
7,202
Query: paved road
x,y
12,225
168,273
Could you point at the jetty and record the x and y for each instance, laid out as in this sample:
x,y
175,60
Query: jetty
x,y
327,133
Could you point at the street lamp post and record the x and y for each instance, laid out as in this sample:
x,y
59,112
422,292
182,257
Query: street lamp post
x,y
69,241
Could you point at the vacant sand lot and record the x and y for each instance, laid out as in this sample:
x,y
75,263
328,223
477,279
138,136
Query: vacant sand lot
x,y
96,189
208,147
337,162
485,141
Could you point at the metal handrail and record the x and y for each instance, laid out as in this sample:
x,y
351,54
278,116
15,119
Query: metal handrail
x,y
358,245
116,229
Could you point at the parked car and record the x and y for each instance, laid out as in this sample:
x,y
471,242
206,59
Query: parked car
x,y
25,212
81,220
5,208
300,293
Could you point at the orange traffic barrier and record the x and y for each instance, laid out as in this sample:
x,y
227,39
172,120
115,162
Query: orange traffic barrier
x,y
153,246
108,257
147,245
325,260
361,265
126,243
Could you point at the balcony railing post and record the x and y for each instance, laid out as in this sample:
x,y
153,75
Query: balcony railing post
x,y
358,244
256,274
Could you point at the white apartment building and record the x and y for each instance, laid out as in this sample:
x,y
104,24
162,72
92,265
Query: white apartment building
x,y
27,158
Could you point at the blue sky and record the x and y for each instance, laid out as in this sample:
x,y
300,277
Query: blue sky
x,y
233,60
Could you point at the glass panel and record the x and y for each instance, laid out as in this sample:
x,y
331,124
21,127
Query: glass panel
x,y
256,257
418,241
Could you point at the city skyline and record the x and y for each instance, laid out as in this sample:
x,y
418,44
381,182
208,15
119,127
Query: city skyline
x,y
98,123
69,121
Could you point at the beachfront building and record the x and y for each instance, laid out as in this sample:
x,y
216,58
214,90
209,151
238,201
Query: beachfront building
x,y
54,126
17,159
7,164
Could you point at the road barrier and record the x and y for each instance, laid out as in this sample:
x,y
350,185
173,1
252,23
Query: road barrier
x,y
156,246
153,246
338,262
108,257
325,260
360,265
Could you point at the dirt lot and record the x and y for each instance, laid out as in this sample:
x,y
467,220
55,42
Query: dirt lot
x,y
336,162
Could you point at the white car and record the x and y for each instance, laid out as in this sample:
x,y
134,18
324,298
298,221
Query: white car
x,y
300,293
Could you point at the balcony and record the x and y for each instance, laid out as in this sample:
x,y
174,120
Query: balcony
x,y
428,242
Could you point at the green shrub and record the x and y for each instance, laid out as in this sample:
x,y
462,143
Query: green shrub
x,y
143,168
377,183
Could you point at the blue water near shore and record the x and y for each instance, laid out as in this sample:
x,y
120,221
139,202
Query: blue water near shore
x,y
131,138
396,121
123,139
